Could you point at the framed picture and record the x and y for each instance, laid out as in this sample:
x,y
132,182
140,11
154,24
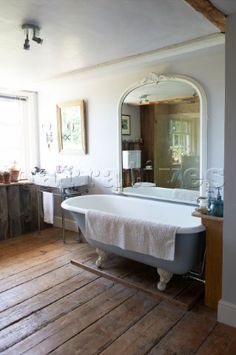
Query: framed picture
x,y
71,127
125,125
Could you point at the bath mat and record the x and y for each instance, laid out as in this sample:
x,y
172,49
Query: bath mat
x,y
182,292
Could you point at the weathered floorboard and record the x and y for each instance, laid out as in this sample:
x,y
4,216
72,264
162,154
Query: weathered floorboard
x,y
187,335
39,319
50,306
43,268
220,341
40,284
39,301
27,260
105,330
55,334
132,341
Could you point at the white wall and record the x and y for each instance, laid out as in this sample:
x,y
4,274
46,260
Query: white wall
x,y
102,92
227,305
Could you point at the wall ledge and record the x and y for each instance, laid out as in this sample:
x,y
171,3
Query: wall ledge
x,y
227,313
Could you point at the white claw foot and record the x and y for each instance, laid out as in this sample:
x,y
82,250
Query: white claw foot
x,y
165,277
102,257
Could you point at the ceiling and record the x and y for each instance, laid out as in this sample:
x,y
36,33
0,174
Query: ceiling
x,y
80,33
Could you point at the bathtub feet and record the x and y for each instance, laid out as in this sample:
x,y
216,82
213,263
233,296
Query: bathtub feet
x,y
102,257
165,277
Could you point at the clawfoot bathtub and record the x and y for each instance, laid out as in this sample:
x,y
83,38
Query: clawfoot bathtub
x,y
189,241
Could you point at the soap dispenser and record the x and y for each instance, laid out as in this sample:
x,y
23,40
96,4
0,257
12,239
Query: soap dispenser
x,y
217,205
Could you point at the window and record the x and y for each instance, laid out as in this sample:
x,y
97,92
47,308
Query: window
x,y
17,127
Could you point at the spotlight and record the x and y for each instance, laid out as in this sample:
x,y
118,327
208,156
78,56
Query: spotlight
x,y
35,31
27,42
35,38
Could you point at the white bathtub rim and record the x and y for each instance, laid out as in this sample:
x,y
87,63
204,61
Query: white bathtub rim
x,y
82,210
161,199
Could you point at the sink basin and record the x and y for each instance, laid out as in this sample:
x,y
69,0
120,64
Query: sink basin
x,y
60,181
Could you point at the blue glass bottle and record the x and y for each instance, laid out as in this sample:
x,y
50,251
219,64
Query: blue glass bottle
x,y
210,197
212,207
217,205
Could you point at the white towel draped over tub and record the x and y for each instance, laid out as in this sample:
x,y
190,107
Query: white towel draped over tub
x,y
144,237
48,210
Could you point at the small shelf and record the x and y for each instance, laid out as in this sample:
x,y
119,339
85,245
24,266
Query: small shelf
x,y
207,216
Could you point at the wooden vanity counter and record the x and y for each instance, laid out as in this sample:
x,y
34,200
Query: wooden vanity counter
x,y
213,267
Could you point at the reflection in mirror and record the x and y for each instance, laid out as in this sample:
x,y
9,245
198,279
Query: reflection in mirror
x,y
161,157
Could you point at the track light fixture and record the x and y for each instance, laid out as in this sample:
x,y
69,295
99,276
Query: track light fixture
x,y
35,32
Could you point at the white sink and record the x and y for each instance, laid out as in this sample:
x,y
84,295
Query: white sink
x,y
60,181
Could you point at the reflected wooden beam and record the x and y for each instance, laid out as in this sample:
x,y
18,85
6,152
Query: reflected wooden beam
x,y
210,12
174,100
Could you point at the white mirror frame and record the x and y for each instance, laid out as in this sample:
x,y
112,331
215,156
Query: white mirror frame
x,y
153,78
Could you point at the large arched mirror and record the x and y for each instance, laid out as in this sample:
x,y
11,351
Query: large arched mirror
x,y
163,133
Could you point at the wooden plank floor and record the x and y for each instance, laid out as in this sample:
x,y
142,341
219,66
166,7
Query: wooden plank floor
x,y
48,305
180,291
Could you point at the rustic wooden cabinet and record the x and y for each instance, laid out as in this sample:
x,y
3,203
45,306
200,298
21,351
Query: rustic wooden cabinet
x,y
213,267
18,209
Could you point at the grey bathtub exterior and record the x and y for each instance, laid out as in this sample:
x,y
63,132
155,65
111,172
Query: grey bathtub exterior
x,y
189,249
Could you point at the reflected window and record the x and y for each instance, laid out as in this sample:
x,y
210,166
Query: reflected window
x,y
181,139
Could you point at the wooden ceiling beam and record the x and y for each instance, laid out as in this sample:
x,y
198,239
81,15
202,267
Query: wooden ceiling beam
x,y
209,11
